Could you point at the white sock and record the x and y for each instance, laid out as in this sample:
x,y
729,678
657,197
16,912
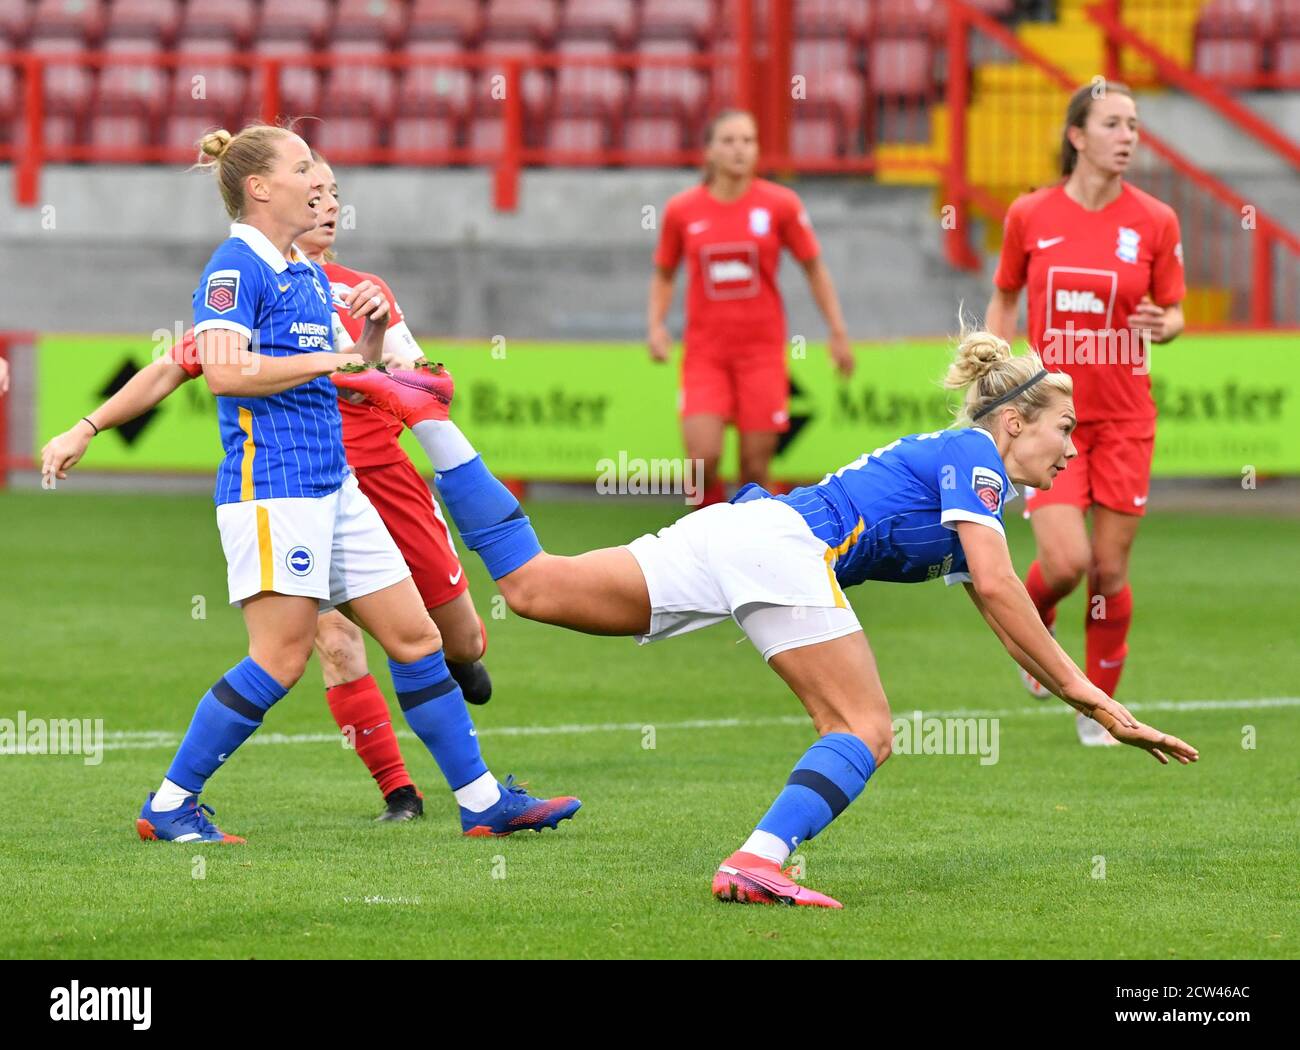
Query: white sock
x,y
480,794
169,797
766,845
443,443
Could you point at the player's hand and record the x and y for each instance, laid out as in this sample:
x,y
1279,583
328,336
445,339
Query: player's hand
x,y
661,343
4,377
63,451
1148,317
368,300
1157,744
842,354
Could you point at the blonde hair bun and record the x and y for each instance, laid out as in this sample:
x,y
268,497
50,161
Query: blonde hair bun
x,y
978,353
215,143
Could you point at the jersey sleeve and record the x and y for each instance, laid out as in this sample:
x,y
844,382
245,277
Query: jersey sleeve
x,y
797,232
1168,285
186,354
668,253
973,485
1013,262
229,293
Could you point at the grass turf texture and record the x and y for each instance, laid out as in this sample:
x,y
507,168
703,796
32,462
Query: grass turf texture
x,y
941,856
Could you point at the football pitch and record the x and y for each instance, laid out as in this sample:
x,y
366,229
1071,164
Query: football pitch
x,y
113,608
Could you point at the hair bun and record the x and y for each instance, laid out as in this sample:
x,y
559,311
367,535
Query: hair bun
x,y
978,353
215,143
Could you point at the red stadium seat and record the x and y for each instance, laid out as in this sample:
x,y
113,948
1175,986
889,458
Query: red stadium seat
x,y
909,18
599,19
67,86
848,19
810,58
201,86
901,66
485,132
62,130
458,20
431,89
1233,58
532,20
79,20
340,134
369,20
425,133
586,90
683,19
537,82
183,131
119,130
1237,18
299,84
15,20
673,91
229,20
155,20
300,20
360,89
654,134
131,89
815,137
1286,57
577,134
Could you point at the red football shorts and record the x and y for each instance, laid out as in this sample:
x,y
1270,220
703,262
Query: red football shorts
x,y
415,522
1112,469
747,386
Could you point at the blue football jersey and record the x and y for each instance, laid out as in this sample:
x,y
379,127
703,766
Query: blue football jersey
x,y
290,443
891,515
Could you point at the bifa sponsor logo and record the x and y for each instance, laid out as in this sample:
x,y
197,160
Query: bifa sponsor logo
x,y
635,476
730,271
1084,298
53,736
76,1003
931,735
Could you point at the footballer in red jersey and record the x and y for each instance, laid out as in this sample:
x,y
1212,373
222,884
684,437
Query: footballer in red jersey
x,y
730,230
1103,263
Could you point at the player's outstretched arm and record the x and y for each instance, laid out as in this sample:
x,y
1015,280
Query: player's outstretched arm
x,y
1003,598
1019,655
233,370
143,391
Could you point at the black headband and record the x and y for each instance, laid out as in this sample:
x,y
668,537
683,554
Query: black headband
x,y
1010,395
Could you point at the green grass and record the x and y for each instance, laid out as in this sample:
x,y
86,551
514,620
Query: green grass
x,y
940,857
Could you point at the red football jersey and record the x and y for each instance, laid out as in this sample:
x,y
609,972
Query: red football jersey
x,y
732,254
1087,271
369,434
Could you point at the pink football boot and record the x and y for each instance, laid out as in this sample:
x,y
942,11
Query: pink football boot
x,y
744,878
411,394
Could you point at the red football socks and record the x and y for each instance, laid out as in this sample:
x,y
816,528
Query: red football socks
x,y
1106,637
361,711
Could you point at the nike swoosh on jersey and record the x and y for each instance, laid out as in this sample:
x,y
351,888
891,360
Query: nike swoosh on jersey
x,y
460,571
1048,243
283,287
698,227
1139,501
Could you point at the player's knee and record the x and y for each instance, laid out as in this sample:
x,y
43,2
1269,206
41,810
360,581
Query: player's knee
x,y
1108,575
878,735
342,652
1064,568
414,642
463,644
284,663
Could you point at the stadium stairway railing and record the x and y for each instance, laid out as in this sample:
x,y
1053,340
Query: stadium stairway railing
x,y
996,138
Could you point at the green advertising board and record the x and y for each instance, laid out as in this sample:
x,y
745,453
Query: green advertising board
x,y
546,411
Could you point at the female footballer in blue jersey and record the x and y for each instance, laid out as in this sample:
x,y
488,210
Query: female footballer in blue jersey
x,y
922,507
298,534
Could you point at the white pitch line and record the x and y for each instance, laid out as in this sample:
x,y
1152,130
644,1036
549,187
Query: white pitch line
x,y
139,739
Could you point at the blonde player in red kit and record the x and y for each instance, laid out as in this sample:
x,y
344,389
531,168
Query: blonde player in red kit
x,y
1103,262
730,229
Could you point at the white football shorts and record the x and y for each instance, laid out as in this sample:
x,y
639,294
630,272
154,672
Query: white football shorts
x,y
756,562
334,548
